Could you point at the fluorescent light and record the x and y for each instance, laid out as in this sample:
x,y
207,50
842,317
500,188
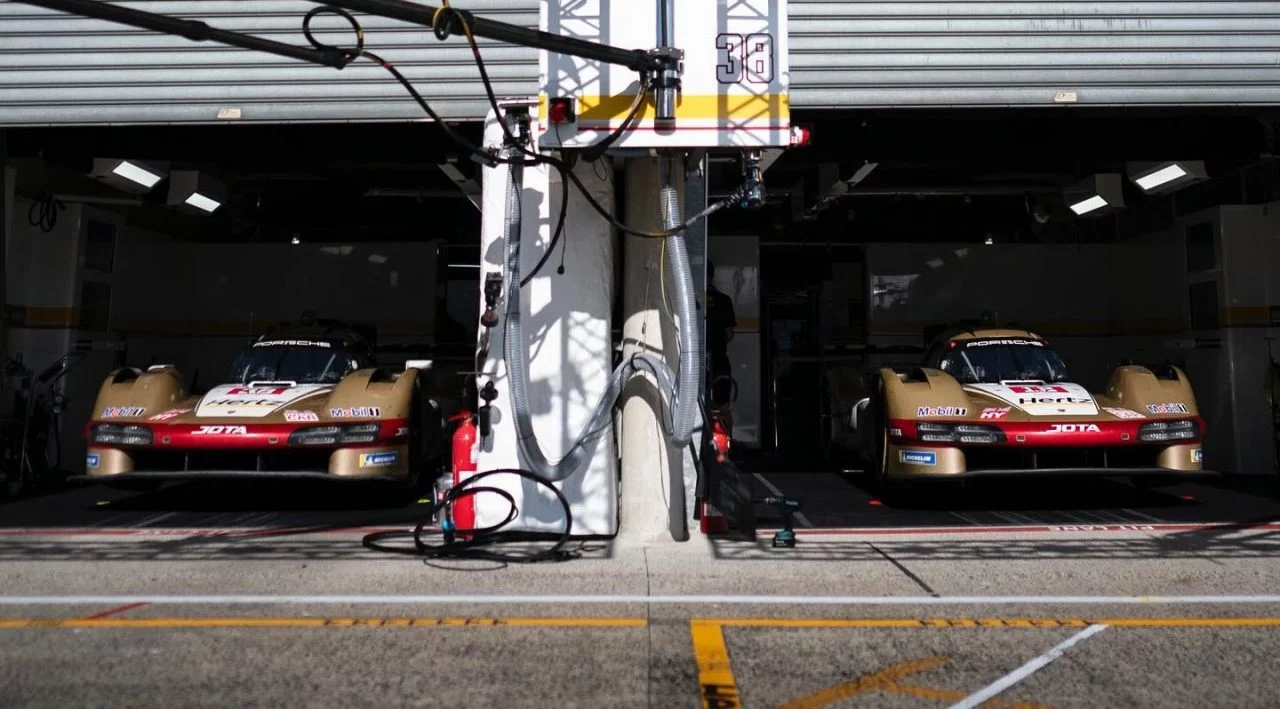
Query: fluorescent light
x,y
1094,203
200,201
1166,176
134,173
295,241
989,241
1159,177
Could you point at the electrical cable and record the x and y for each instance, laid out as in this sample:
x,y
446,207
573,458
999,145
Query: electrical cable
x,y
44,213
441,23
467,543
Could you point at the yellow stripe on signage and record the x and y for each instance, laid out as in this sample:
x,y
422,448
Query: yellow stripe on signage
x,y
19,623
755,108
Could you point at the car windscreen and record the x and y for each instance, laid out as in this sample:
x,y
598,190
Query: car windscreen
x,y
995,363
304,365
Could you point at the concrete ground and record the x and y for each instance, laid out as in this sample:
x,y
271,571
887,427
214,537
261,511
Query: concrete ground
x,y
1053,594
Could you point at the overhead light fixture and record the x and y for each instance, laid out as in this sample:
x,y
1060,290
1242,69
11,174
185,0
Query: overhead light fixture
x,y
989,241
193,189
136,176
1161,177
1095,195
295,241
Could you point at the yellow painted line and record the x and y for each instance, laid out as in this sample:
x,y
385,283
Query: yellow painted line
x,y
302,622
715,675
922,623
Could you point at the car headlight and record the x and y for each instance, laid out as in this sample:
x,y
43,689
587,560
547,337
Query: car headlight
x,y
335,435
1156,431
112,434
959,433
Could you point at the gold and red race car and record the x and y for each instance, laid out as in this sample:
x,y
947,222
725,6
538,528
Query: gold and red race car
x,y
999,401
306,404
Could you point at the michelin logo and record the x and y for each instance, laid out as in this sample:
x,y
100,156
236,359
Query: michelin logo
x,y
918,457
91,460
378,460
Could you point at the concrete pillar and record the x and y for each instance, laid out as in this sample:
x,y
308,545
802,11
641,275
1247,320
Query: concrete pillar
x,y
567,321
654,502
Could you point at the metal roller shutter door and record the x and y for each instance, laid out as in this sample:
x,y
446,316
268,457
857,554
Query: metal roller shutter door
x,y
863,53
57,68
61,69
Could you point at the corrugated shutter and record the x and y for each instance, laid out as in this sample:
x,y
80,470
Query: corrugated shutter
x,y
860,53
57,68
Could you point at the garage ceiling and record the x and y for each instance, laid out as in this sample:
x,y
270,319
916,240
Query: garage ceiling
x,y
937,175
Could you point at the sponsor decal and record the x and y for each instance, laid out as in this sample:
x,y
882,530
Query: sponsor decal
x,y
927,411
1168,408
996,412
125,411
378,460
895,432
1074,428
254,401
1004,341
356,412
918,457
292,343
1041,399
1039,389
221,431
256,391
1197,455
1052,400
300,416
1123,413
171,413
242,402
91,460
402,431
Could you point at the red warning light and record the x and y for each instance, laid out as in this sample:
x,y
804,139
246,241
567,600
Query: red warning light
x,y
560,110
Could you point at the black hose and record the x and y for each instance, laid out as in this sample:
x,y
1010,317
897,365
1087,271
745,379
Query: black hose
x,y
455,547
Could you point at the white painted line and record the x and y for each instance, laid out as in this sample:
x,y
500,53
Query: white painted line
x,y
152,520
1023,672
1136,513
630,599
799,515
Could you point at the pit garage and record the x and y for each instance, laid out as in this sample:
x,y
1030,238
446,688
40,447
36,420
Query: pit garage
x,y
1092,180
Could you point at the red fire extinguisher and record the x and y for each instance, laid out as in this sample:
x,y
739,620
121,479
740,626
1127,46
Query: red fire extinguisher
x,y
464,456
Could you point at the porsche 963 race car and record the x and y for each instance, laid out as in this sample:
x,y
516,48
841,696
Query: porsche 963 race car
x,y
999,401
307,405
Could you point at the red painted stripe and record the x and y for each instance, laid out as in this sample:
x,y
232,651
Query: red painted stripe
x,y
237,434
1056,433
1031,529
113,611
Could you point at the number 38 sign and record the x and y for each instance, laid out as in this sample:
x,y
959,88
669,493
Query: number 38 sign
x,y
734,79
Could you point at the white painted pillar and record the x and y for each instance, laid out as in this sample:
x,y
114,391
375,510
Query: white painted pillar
x,y
654,502
567,321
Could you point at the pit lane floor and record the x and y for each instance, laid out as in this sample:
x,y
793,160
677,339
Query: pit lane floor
x,y
201,597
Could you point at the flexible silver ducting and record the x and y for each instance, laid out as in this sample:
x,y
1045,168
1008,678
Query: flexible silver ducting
x,y
683,396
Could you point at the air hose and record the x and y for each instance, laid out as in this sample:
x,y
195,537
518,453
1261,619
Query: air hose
x,y
683,393
684,408
469,543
